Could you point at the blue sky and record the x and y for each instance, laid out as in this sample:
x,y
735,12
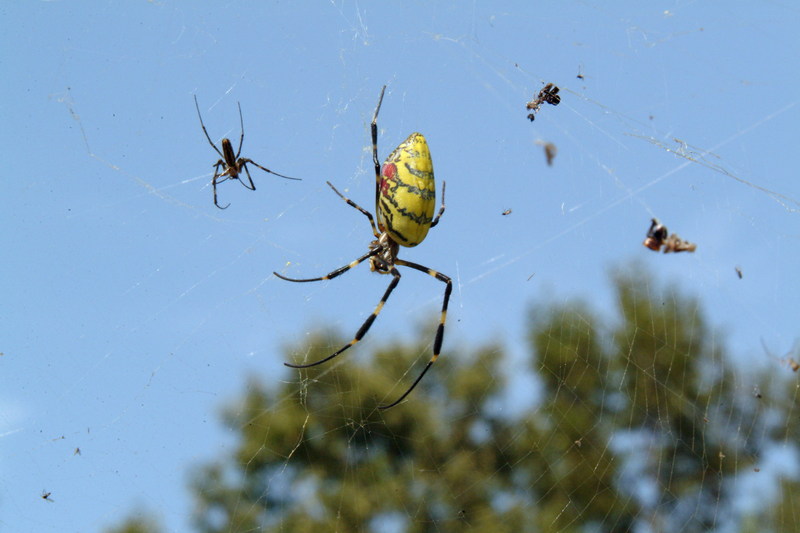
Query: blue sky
x,y
133,309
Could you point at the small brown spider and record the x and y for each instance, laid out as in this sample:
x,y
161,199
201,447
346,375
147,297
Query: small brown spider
x,y
232,165
548,94
658,236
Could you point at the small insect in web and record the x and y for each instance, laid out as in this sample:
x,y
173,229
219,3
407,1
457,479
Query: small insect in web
x,y
230,166
548,94
550,151
658,236
405,199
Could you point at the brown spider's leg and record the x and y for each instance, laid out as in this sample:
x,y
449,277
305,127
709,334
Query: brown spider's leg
x,y
441,209
437,343
242,163
214,146
245,161
338,272
363,211
364,327
241,138
214,183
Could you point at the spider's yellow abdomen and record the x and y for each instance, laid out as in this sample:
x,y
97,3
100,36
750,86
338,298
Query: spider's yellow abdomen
x,y
407,192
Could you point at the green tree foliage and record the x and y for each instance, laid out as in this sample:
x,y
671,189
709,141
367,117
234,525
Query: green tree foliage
x,y
641,423
681,392
138,523
573,471
659,394
319,456
786,515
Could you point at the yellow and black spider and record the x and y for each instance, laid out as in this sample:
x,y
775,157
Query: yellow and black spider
x,y
232,165
405,200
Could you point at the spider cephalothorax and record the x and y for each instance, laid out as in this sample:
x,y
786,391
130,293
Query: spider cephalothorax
x,y
384,259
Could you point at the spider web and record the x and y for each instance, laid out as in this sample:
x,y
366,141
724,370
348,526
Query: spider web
x,y
138,311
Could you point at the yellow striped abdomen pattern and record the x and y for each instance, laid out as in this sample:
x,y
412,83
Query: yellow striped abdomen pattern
x,y
407,192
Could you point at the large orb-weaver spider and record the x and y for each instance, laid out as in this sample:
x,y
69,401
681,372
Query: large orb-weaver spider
x,y
405,199
232,165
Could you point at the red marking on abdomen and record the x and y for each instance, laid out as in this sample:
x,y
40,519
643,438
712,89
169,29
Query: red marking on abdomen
x,y
388,173
389,170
